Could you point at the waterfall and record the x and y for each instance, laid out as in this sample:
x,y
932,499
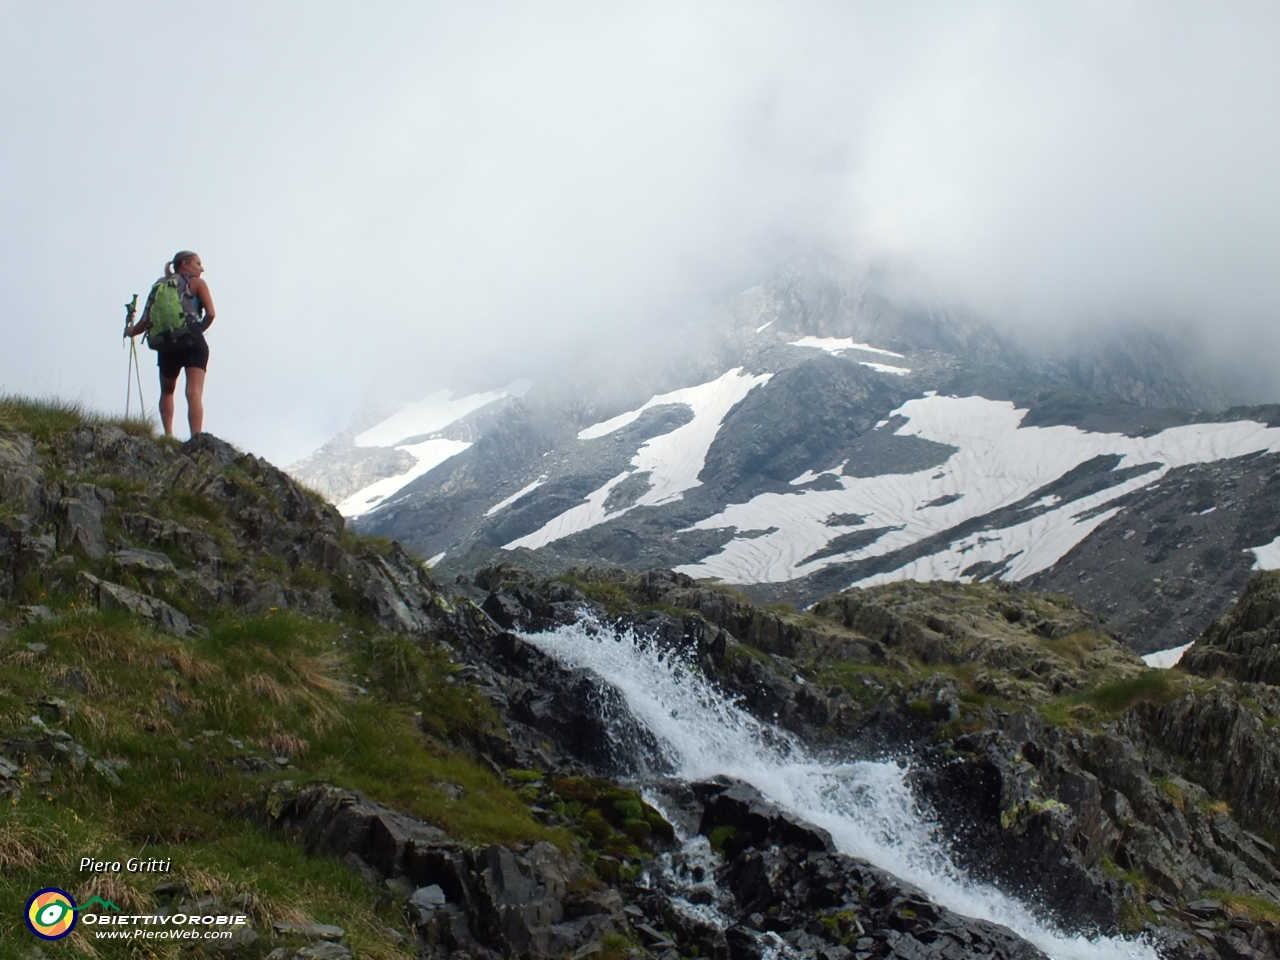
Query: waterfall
x,y
867,806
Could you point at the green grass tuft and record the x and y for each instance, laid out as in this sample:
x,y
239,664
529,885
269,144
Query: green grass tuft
x,y
44,418
1256,909
1153,686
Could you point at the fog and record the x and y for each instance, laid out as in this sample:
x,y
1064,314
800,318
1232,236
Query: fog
x,y
393,198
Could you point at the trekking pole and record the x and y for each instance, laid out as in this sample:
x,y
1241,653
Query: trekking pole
x,y
137,372
131,309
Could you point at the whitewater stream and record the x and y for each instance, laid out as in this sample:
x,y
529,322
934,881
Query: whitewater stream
x,y
866,806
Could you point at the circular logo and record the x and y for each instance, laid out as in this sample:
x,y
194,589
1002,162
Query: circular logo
x,y
51,913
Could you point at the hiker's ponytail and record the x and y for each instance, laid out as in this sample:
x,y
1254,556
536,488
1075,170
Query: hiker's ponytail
x,y
179,258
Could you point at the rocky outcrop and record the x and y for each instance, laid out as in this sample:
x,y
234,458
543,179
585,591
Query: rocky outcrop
x,y
1076,821
1244,643
783,880
185,528
1225,738
112,596
488,901
788,881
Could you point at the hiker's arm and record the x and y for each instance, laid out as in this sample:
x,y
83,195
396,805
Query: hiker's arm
x,y
144,322
201,290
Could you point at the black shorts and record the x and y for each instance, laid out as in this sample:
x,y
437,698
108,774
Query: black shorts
x,y
173,362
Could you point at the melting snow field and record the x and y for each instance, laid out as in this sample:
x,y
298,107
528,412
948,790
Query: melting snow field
x,y
867,807
434,412
997,464
836,347
670,462
427,416
1164,659
429,455
503,504
1268,555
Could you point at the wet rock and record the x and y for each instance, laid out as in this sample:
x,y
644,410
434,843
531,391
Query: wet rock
x,y
506,610
573,708
791,885
755,821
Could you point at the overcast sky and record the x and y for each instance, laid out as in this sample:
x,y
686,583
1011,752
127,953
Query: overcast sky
x,y
391,198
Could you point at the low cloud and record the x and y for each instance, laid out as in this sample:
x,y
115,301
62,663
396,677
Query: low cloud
x,y
411,197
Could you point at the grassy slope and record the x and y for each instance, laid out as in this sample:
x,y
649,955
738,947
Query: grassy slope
x,y
180,714
341,702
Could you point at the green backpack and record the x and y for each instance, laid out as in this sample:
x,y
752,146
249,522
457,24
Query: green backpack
x,y
171,309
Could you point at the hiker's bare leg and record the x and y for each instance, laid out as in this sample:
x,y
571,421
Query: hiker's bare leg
x,y
195,399
168,386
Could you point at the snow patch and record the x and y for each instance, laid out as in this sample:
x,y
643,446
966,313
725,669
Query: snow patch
x,y
429,454
835,346
764,326
437,558
431,414
885,368
671,461
606,427
1268,555
516,496
427,416
997,464
1164,659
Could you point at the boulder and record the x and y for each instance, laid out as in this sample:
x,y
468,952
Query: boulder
x,y
113,596
521,900
477,900
144,561
80,523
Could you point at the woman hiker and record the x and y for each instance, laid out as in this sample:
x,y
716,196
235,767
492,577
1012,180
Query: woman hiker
x,y
179,310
